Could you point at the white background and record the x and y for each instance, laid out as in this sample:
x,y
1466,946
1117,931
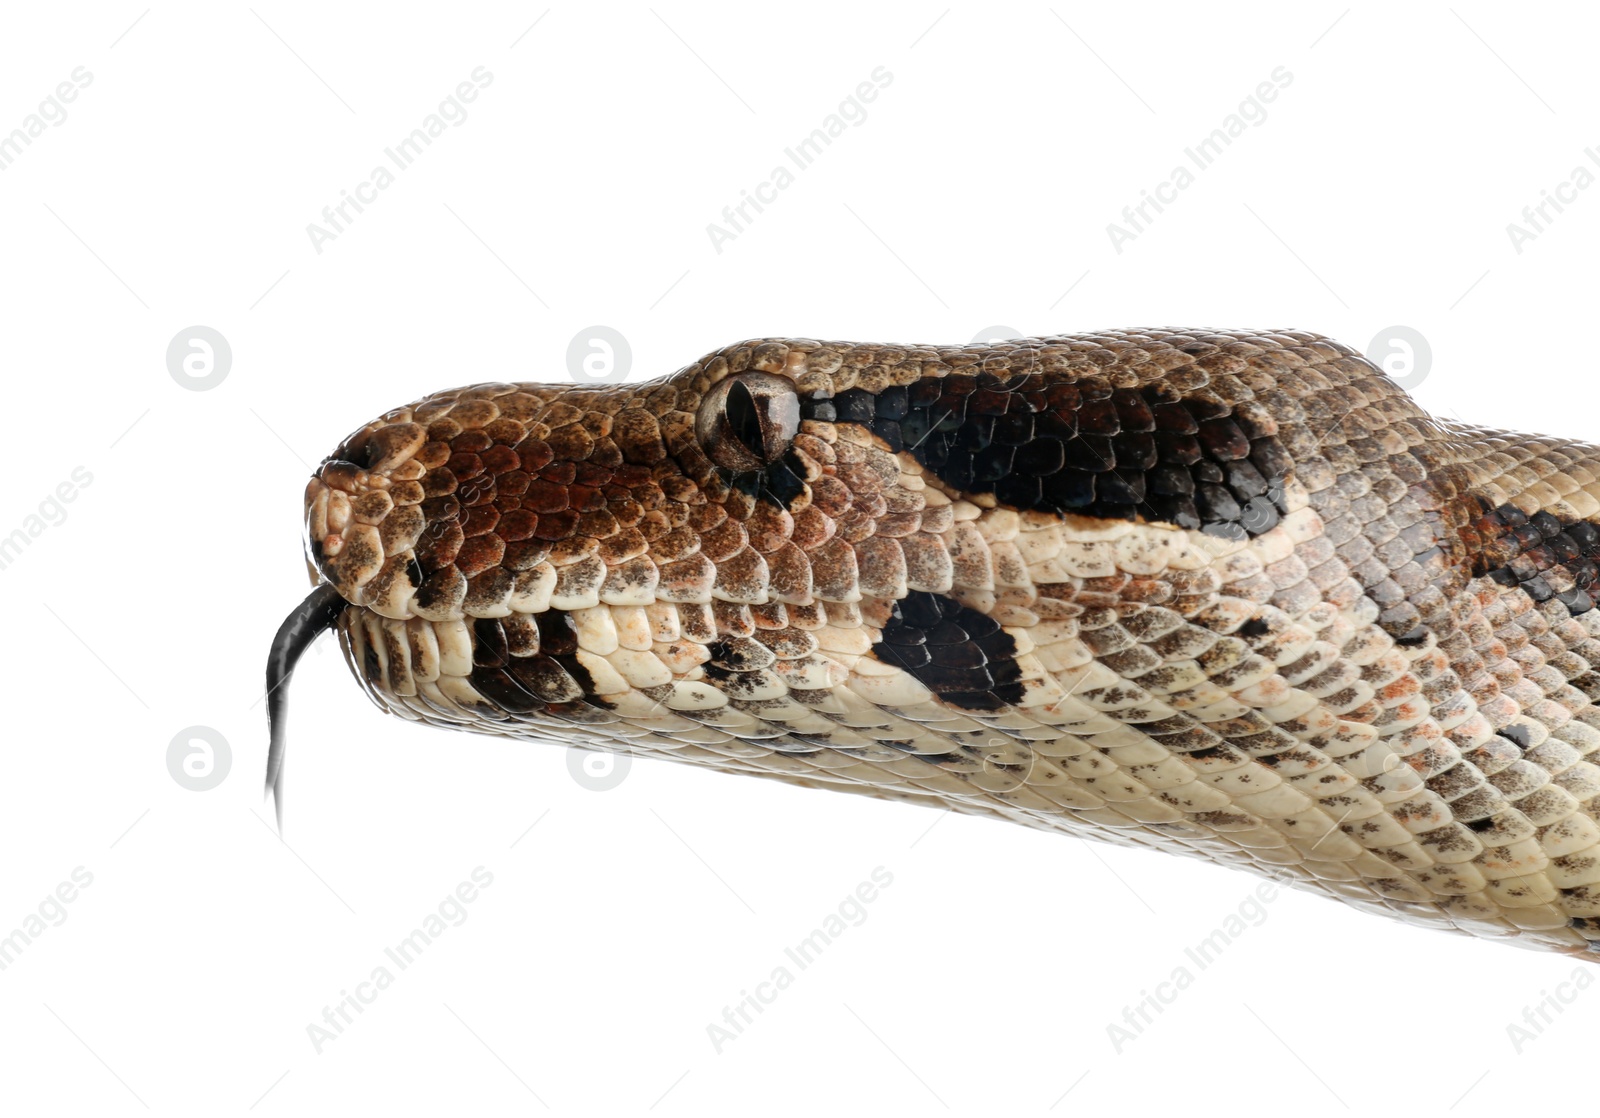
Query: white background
x,y
577,192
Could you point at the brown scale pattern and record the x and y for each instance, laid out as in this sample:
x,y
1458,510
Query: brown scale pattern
x,y
1379,681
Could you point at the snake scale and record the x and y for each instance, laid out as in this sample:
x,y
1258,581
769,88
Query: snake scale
x,y
1229,594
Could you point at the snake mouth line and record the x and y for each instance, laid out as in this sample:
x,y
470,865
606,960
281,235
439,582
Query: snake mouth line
x,y
306,622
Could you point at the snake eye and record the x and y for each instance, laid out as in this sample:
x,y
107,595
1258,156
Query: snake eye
x,y
747,421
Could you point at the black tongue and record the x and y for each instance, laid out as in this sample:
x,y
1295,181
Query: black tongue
x,y
305,624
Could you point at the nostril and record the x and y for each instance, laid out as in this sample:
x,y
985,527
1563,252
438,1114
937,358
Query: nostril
x,y
359,449
382,448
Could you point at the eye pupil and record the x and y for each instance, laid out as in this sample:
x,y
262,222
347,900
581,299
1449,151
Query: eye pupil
x,y
744,421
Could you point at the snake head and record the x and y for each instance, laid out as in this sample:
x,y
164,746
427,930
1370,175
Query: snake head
x,y
712,548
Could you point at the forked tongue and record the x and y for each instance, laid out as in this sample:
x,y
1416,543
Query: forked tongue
x,y
305,624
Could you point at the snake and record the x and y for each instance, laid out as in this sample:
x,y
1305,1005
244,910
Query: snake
x,y
1228,594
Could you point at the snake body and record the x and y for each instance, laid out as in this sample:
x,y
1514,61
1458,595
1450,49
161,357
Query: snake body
x,y
1228,594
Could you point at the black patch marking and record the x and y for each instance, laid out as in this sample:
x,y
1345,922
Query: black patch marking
x,y
737,654
780,482
1057,445
961,655
1541,555
489,643
1517,735
549,682
371,664
558,635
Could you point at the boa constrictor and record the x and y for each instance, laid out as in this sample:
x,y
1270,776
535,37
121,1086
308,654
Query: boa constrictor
x,y
1229,594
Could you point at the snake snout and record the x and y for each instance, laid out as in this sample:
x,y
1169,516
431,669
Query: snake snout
x,y
478,505
481,537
